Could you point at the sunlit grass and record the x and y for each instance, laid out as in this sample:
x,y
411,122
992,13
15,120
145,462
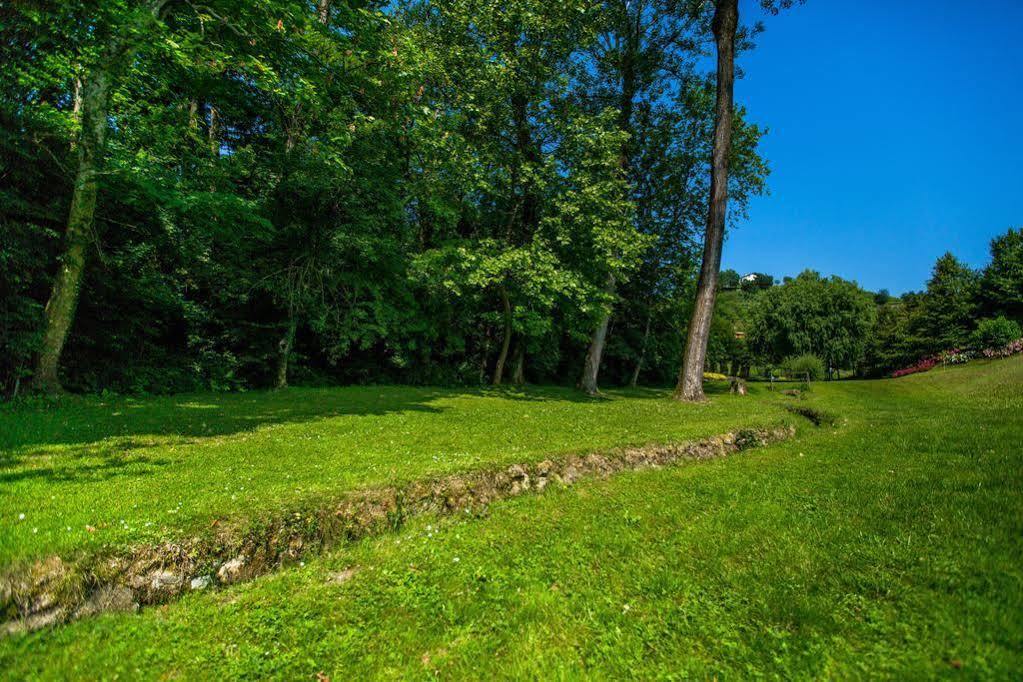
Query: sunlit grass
x,y
890,546
91,472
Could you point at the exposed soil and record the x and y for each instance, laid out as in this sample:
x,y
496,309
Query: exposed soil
x,y
817,417
57,590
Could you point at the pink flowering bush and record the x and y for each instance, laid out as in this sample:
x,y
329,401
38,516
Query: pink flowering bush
x,y
959,356
1013,348
923,365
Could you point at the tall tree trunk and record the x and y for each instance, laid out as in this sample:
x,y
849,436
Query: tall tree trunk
x,y
60,308
642,352
323,11
285,346
502,358
484,356
595,352
193,114
690,380
591,366
94,104
519,364
214,131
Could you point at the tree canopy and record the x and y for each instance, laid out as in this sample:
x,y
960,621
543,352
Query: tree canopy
x,y
228,194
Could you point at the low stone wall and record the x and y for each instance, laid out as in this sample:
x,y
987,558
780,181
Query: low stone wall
x,y
57,590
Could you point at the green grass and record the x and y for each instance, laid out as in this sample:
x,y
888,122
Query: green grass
x,y
155,469
889,546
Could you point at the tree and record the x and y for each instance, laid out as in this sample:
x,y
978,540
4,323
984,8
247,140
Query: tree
x,y
544,213
690,381
948,307
125,29
1002,280
357,190
890,345
729,280
639,52
827,317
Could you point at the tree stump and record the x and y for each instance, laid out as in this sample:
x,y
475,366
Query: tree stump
x,y
737,387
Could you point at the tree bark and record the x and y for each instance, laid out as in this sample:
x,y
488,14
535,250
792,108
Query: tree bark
x,y
60,308
285,346
59,313
323,11
595,352
502,357
591,366
642,353
519,364
690,380
214,131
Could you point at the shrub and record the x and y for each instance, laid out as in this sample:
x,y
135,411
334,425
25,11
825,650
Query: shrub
x,y
714,376
996,332
923,365
804,365
956,356
1008,350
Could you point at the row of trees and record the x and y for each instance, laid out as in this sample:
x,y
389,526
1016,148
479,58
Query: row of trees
x,y
758,324
228,193
961,308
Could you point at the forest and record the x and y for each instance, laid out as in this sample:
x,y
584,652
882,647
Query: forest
x,y
252,194
239,195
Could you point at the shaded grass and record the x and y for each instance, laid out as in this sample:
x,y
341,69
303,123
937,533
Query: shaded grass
x,y
90,473
890,546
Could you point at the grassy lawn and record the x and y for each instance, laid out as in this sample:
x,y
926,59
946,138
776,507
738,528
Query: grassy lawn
x,y
139,470
889,546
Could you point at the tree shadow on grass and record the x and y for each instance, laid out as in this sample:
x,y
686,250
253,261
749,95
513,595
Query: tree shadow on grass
x,y
86,464
88,438
87,473
42,429
87,427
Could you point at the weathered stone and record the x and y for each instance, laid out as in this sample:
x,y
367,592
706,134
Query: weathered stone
x,y
201,583
107,599
231,571
164,581
518,478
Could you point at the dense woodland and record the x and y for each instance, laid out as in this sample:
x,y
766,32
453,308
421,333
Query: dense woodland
x,y
829,325
426,191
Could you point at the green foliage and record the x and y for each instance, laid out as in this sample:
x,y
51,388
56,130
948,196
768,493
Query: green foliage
x,y
727,347
891,344
729,280
806,366
1002,281
995,333
948,307
348,195
948,314
827,317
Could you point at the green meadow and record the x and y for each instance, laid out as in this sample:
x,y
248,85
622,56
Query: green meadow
x,y
886,544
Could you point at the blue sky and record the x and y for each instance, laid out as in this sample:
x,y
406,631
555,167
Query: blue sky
x,y
896,134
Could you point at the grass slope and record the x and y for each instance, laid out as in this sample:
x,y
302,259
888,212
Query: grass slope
x,y
890,546
143,470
